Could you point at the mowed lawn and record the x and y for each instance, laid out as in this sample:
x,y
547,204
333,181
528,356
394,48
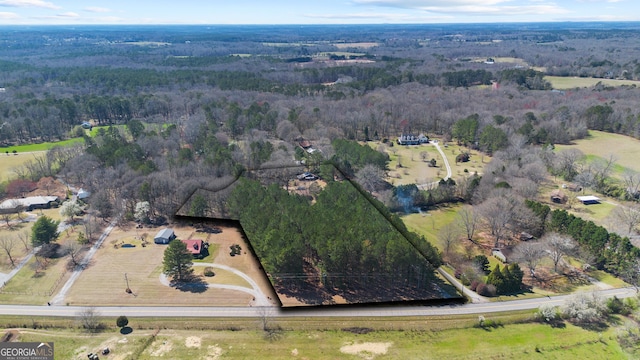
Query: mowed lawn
x,y
518,341
415,170
601,144
103,282
567,82
429,223
10,162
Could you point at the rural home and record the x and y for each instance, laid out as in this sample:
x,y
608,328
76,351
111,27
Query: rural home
x,y
29,203
164,236
197,247
408,139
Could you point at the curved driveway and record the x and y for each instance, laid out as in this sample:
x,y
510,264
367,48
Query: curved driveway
x,y
446,165
259,298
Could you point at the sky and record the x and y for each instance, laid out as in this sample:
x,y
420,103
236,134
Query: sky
x,y
51,12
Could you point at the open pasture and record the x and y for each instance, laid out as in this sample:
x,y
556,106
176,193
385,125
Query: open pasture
x,y
567,82
601,144
521,341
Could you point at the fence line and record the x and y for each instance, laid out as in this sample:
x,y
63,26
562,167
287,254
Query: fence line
x,y
50,292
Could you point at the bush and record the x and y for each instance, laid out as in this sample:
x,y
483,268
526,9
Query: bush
x,y
474,285
122,321
208,271
486,290
547,313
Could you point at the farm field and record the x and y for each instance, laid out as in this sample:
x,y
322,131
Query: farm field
x,y
521,341
143,266
566,83
12,161
602,144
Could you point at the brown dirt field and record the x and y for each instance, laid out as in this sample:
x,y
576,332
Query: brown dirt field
x,y
143,266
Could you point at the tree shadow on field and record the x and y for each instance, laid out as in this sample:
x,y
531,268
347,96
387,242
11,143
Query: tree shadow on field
x,y
194,285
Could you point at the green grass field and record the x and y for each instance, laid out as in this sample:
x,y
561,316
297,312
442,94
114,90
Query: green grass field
x,y
429,223
10,162
565,82
40,147
600,144
512,341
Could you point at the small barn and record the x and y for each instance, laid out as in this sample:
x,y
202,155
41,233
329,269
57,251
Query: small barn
x,y
164,236
558,197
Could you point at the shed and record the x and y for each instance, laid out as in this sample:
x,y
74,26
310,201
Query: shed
x,y
83,194
558,197
164,236
589,199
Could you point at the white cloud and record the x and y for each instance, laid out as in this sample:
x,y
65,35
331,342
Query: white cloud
x,y
28,3
96,9
385,17
418,4
8,15
472,7
68,15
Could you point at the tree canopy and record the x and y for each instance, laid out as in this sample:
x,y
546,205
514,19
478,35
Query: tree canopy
x,y
178,262
44,231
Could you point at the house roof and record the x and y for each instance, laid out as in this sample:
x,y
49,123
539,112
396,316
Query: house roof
x,y
164,233
588,198
194,245
28,201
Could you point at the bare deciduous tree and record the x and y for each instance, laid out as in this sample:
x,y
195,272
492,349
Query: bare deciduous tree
x,y
449,235
8,243
567,161
25,238
496,213
557,247
631,181
90,319
531,254
73,249
468,221
628,217
370,177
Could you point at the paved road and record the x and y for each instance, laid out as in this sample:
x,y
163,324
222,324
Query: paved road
x,y
250,312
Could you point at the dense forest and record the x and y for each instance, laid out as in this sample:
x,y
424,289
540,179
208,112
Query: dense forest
x,y
315,245
174,109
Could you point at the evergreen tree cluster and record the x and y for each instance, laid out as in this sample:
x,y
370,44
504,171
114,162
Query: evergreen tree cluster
x,y
611,251
507,280
351,156
341,236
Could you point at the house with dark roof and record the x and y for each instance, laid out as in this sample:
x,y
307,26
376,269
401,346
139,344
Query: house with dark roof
x,y
409,139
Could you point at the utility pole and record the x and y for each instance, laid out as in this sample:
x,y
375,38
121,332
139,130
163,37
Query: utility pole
x,y
126,279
